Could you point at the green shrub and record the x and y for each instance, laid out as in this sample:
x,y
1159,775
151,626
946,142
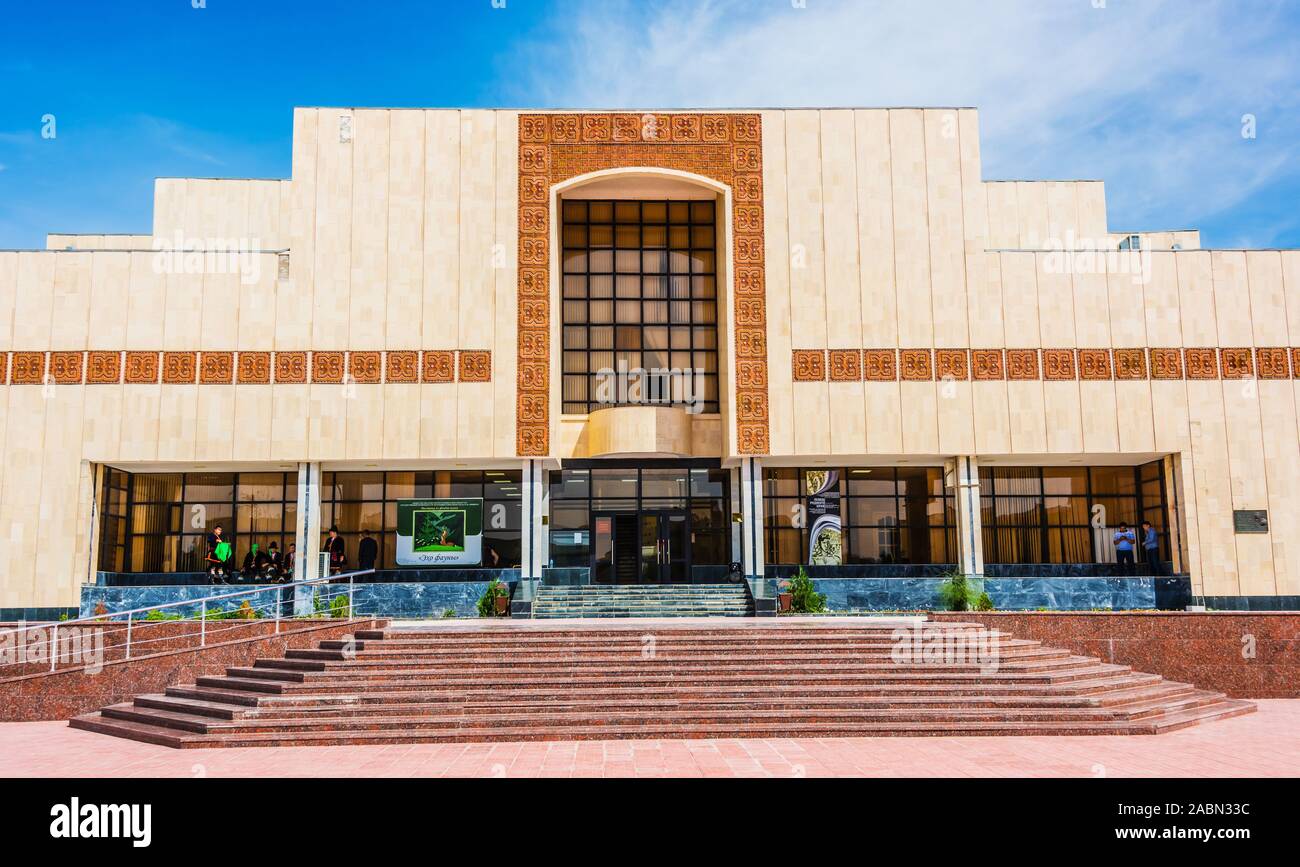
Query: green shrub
x,y
448,613
487,606
804,596
339,608
959,593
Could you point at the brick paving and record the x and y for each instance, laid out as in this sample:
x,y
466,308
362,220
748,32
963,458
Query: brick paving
x,y
1261,744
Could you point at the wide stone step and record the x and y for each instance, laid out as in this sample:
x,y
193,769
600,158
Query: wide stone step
x,y
1064,668
656,665
857,728
397,660
490,683
1132,705
690,717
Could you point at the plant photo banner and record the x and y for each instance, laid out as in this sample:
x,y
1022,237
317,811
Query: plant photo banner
x,y
444,532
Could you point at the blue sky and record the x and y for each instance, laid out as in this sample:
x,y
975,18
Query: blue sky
x,y
1148,95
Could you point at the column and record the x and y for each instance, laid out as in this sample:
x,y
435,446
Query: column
x,y
307,535
1174,510
749,491
962,478
533,533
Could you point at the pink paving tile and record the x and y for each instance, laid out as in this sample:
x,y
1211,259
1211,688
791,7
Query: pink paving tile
x,y
1259,744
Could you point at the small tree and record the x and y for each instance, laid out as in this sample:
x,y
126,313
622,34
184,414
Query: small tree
x,y
487,606
804,596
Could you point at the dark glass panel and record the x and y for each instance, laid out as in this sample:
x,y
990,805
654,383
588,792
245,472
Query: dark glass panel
x,y
1065,481
1113,481
156,488
260,487
200,487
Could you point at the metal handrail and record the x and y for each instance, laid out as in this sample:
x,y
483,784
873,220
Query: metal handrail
x,y
132,620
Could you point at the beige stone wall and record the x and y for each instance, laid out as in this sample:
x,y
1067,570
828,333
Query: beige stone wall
x,y
98,242
203,212
887,223
880,233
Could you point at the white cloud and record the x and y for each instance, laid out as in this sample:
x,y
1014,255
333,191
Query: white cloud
x,y
1148,96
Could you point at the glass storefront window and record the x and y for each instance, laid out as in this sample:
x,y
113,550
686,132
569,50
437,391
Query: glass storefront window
x,y
368,501
158,522
1067,514
887,514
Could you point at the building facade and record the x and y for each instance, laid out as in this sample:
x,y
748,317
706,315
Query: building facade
x,y
655,344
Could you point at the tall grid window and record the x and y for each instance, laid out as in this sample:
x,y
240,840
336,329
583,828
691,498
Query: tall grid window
x,y
113,524
158,522
640,292
1068,514
887,514
356,501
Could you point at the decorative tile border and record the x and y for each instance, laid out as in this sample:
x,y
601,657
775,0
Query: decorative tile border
x,y
1130,364
254,368
952,364
66,368
1094,364
103,367
142,368
134,367
915,365
474,366
1273,363
846,365
439,366
809,365
988,364
881,365
1087,364
724,147
1023,364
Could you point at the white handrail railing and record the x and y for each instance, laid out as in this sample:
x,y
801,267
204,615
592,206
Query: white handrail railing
x,y
17,636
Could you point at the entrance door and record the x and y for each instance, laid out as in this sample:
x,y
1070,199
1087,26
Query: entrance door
x,y
614,548
665,547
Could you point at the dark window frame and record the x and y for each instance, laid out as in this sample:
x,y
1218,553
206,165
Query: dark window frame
x,y
707,356
1143,508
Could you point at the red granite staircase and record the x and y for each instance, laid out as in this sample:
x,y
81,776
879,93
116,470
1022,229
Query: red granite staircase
x,y
654,680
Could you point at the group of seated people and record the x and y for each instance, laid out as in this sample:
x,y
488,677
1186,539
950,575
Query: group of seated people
x,y
261,565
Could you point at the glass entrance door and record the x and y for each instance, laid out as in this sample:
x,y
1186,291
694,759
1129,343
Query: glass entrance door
x,y
665,547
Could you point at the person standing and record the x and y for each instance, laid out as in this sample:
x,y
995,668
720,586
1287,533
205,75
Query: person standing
x,y
367,551
220,557
1124,539
338,555
1151,547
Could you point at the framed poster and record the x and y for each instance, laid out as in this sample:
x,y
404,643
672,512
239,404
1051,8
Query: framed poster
x,y
825,537
440,532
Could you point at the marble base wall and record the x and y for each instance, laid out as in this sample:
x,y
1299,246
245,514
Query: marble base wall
x,y
380,576
36,615
1056,594
416,600
1246,655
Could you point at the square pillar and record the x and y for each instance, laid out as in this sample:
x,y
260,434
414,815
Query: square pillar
x,y
534,538
962,477
747,497
306,536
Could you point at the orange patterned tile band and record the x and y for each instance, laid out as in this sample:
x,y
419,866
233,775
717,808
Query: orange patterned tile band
x,y
114,367
885,365
727,148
